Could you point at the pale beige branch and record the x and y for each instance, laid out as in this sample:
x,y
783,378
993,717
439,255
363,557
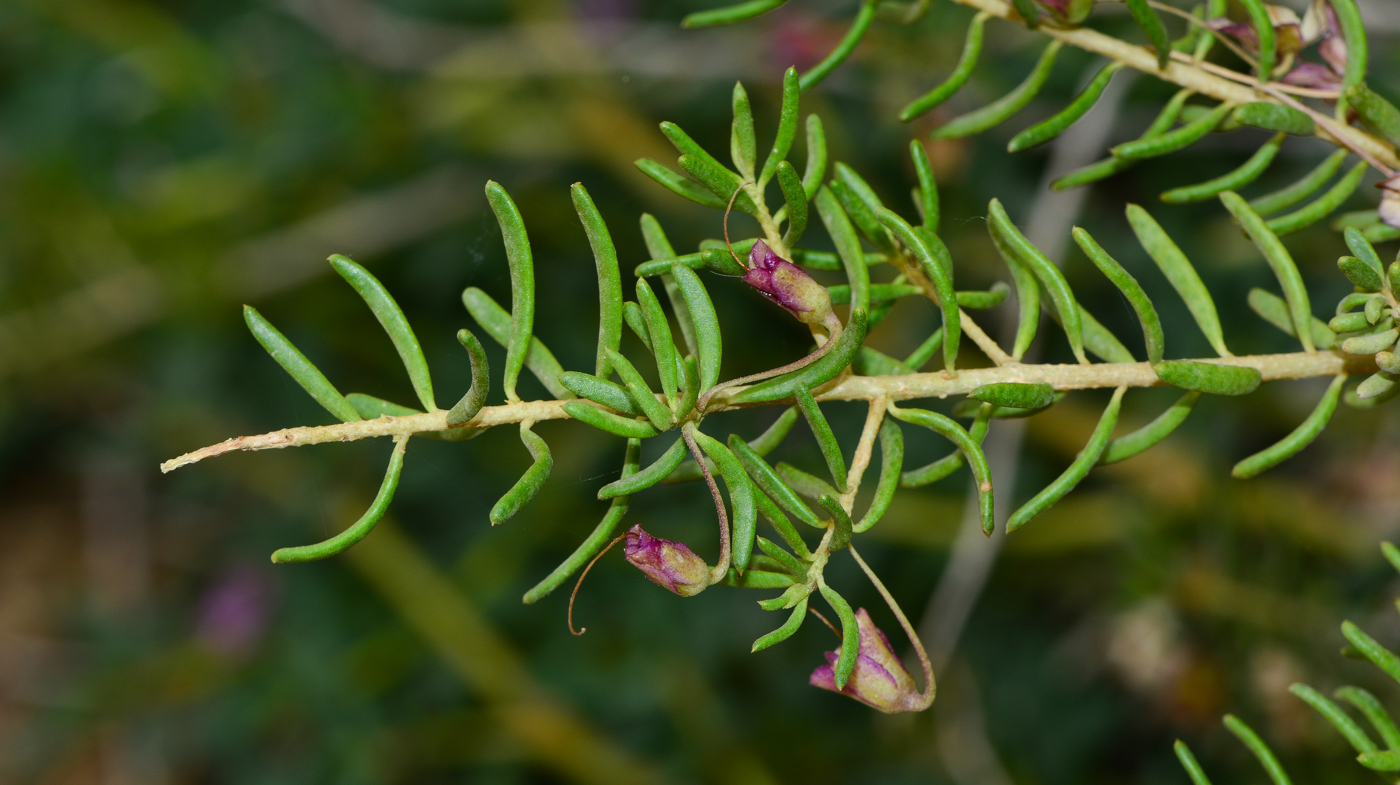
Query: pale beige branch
x,y
1297,365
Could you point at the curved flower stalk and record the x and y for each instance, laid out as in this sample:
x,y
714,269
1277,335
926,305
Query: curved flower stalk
x,y
1279,72
1382,757
669,384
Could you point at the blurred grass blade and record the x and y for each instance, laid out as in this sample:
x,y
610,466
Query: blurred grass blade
x,y
1334,715
357,530
382,304
1151,24
1192,766
298,367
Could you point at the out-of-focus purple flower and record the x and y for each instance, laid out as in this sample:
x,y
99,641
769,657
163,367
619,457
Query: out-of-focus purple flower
x,y
788,285
234,613
1315,75
879,679
671,565
1390,200
1319,24
1288,31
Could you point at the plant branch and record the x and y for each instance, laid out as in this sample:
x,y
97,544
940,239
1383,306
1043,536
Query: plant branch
x,y
1193,77
1273,367
864,448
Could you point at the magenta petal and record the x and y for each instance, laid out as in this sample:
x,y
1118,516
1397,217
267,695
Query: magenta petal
x,y
824,677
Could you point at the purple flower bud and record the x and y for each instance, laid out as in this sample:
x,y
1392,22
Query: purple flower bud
x,y
879,679
671,565
788,285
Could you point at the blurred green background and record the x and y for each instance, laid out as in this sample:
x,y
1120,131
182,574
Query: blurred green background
x,y
165,162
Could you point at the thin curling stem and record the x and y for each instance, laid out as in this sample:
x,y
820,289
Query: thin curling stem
x,y
727,210
833,329
584,574
930,684
722,568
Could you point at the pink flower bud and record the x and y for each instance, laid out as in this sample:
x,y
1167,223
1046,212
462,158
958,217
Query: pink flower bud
x,y
788,285
671,565
879,679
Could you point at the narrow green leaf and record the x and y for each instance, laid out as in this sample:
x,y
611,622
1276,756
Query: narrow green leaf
x,y
369,407
840,521
728,15
1209,378
771,483
1274,310
1171,141
1294,293
298,367
1149,435
634,481
1374,712
1256,745
1077,471
1111,166
609,277
781,525
741,497
1018,395
678,184
1272,116
721,182
970,448
891,468
1151,24
1027,294
1323,206
1292,194
1376,112
702,313
1358,52
663,346
1234,180
787,127
972,50
530,482
1048,129
991,298
941,278
656,412
1001,110
1029,13
796,199
1180,273
1388,760
1301,436
1335,716
660,248
1192,766
522,283
391,317
475,397
815,170
497,324
1046,272
848,44
1365,252
602,534
1131,289
607,421
1263,26
743,144
826,440
850,634
799,613
359,529
945,466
